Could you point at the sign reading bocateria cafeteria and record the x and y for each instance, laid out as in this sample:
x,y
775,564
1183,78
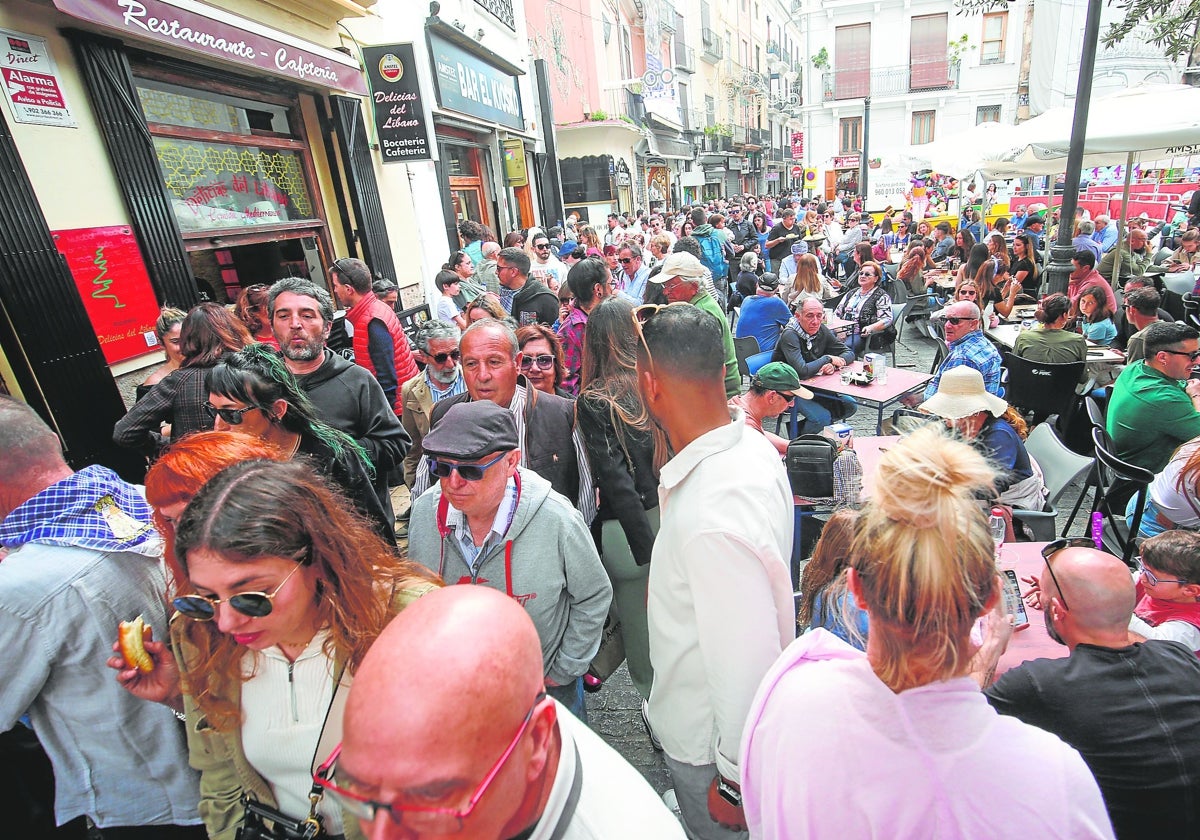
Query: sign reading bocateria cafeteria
x,y
471,86
215,33
396,101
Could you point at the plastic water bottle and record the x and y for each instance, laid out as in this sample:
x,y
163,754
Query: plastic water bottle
x,y
998,527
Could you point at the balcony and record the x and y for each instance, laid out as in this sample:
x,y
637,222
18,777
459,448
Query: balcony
x,y
773,48
889,81
713,50
760,137
797,6
685,58
695,120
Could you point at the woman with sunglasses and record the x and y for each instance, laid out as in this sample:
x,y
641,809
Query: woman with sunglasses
x,y
252,392
281,591
626,450
542,359
869,307
906,712
175,406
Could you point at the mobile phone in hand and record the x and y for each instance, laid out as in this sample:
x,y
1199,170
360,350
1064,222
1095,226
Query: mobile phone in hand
x,y
1014,604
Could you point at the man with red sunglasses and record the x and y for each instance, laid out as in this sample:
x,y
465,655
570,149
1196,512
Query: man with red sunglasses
x,y
449,733
490,521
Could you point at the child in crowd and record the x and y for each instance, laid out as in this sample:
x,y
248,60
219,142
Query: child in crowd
x,y
1168,588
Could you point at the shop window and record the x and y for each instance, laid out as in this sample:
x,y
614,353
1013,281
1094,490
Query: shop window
x,y
219,185
995,29
851,133
586,180
922,127
230,162
987,113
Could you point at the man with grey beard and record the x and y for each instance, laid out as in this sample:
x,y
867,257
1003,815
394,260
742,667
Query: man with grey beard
x,y
345,395
442,378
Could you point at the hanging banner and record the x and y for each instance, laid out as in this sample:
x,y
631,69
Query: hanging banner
x,y
112,281
31,81
797,145
397,104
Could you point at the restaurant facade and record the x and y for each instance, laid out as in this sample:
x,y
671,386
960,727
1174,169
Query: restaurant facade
x,y
164,152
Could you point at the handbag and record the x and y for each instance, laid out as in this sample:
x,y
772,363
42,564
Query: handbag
x,y
262,822
612,649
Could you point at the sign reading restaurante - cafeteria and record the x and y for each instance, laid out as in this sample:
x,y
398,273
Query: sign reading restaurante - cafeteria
x,y
215,33
396,101
469,85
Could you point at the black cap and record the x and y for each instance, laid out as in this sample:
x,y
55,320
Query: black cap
x,y
470,430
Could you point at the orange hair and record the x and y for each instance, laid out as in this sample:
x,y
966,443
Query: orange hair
x,y
185,466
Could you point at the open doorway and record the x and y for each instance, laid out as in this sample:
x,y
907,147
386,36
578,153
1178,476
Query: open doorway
x,y
222,272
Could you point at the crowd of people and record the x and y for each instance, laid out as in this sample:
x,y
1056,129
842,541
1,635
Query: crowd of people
x,y
576,434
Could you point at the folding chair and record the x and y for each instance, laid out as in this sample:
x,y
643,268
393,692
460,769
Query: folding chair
x,y
1060,468
1118,481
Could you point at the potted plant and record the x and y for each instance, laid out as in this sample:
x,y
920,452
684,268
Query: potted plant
x,y
821,59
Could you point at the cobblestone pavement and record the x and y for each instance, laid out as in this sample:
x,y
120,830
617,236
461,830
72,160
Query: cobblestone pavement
x,y
615,711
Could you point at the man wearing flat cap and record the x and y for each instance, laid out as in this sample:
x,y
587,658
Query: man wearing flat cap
x,y
492,522
680,278
772,391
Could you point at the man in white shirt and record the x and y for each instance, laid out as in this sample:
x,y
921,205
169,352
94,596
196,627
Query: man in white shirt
x,y
545,266
615,232
720,597
447,724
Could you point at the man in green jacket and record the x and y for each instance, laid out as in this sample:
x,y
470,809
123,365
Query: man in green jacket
x,y
680,279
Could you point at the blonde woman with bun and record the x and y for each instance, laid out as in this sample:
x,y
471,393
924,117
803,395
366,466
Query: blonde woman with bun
x,y
900,735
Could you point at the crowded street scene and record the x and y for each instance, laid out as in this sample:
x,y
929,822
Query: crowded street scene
x,y
599,420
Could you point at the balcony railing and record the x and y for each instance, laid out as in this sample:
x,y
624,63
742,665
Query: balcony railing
x,y
760,136
714,50
685,58
889,81
773,48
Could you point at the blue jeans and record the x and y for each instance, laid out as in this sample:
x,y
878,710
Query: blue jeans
x,y
571,696
1149,526
820,411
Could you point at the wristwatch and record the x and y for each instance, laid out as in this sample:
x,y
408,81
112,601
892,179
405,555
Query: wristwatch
x,y
729,793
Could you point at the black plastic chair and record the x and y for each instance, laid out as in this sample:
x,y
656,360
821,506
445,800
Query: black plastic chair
x,y
1096,418
1042,388
1118,481
1191,310
744,348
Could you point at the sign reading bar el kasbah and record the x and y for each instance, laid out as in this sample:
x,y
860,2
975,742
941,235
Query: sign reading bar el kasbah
x,y
469,85
222,35
396,102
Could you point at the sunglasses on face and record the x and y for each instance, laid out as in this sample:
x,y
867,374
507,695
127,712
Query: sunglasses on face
x,y
541,246
1194,355
957,321
467,472
252,604
626,260
442,358
232,416
544,362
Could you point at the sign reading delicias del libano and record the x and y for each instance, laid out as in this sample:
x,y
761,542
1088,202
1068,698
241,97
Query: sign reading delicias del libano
x,y
396,97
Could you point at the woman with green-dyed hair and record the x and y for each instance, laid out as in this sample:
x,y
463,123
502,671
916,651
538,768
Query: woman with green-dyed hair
x,y
252,392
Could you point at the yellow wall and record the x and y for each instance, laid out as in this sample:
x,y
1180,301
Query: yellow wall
x,y
69,167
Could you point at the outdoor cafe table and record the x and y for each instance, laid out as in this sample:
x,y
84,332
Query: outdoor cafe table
x,y
942,278
837,326
1025,558
879,395
1006,335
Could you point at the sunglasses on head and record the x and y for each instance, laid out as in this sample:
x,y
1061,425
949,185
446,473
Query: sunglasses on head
x,y
232,416
1052,548
252,604
544,362
468,472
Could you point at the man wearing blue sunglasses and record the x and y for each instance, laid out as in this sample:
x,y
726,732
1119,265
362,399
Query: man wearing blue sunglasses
x,y
490,521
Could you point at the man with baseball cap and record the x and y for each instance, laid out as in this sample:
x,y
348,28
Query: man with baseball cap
x,y
680,278
492,522
788,265
763,314
771,393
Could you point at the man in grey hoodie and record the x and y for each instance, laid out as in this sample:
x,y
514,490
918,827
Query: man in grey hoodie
x,y
491,522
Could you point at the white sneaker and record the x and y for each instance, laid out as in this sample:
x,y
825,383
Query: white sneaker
x,y
672,802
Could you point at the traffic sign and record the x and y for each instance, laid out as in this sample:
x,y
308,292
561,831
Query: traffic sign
x,y
797,171
810,177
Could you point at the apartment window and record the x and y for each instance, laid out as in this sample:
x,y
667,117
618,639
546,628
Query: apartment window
x,y
995,29
852,61
987,113
922,127
929,67
851,131
710,110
